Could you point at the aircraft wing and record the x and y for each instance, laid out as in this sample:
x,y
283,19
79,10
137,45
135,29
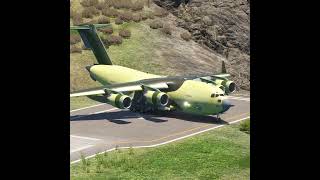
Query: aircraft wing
x,y
122,87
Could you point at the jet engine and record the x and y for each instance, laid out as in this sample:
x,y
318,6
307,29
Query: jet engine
x,y
230,86
157,98
119,100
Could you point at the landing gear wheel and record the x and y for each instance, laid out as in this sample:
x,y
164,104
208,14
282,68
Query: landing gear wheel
x,y
218,118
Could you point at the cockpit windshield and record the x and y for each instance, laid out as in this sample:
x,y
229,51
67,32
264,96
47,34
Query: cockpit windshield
x,y
216,95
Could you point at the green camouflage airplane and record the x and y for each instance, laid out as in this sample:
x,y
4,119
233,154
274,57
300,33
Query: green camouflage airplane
x,y
127,88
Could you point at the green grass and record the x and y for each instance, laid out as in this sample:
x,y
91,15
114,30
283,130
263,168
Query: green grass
x,y
223,153
80,102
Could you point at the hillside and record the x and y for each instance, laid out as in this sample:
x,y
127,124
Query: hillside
x,y
221,25
154,51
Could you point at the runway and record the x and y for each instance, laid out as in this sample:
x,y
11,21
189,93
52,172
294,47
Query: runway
x,y
102,127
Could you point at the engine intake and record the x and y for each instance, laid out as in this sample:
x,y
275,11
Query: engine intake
x,y
230,86
119,100
157,98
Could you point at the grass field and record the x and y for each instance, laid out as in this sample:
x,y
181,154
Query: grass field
x,y
223,153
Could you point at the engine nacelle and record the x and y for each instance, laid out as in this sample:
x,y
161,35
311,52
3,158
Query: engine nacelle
x,y
230,86
157,98
226,85
119,100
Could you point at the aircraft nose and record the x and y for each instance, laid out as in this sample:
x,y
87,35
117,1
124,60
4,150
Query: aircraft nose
x,y
226,105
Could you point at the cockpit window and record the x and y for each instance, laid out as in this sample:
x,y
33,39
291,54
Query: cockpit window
x,y
216,95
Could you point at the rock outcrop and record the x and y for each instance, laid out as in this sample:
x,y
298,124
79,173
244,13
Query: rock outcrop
x,y
221,25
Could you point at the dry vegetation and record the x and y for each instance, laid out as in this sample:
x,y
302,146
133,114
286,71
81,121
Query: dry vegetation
x,y
126,16
74,39
156,24
77,19
114,40
167,29
124,33
118,21
107,30
103,20
88,3
90,12
160,12
75,49
110,12
186,36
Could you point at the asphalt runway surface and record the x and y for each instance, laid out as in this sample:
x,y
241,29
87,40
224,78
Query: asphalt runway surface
x,y
102,127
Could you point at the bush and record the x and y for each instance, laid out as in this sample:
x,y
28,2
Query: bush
x,y
110,12
126,16
100,6
144,16
156,24
77,19
245,126
186,36
89,12
167,29
118,21
72,13
107,30
88,3
160,12
125,33
114,40
74,38
75,49
137,6
136,18
103,20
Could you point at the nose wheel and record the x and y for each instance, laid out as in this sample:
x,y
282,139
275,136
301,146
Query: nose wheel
x,y
218,117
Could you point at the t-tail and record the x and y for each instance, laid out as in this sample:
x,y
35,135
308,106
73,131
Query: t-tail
x,y
92,41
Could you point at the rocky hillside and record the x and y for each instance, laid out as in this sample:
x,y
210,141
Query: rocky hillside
x,y
221,25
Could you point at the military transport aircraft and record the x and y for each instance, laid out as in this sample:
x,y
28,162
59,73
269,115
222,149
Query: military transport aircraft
x,y
127,88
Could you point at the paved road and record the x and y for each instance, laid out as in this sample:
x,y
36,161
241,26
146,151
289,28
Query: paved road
x,y
103,127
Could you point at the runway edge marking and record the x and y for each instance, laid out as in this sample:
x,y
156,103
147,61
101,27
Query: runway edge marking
x,y
155,145
86,107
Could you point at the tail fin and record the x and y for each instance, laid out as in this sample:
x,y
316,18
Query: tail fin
x,y
223,68
91,40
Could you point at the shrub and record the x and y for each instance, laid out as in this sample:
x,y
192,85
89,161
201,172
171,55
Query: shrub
x,y
110,12
144,16
103,20
156,24
89,12
245,126
186,36
88,3
74,38
160,12
136,18
72,13
107,30
137,6
100,6
118,4
118,20
125,33
126,16
114,40
75,49
167,29
77,19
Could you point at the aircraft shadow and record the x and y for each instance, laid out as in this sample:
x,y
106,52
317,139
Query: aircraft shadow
x,y
122,117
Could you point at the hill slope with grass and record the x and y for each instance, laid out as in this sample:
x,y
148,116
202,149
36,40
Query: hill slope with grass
x,y
161,51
